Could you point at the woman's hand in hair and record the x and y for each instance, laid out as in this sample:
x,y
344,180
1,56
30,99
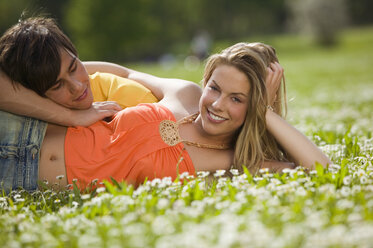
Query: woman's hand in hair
x,y
98,111
275,73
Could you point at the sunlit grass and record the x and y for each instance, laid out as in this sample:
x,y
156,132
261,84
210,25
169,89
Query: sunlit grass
x,y
332,104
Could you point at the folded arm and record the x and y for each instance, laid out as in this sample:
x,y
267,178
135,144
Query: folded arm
x,y
167,90
302,151
160,87
296,144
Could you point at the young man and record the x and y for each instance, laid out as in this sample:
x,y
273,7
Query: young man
x,y
32,53
37,58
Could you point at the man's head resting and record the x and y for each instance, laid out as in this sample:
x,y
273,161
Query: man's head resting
x,y
30,53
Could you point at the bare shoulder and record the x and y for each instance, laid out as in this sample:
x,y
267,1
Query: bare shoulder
x,y
189,92
184,86
183,99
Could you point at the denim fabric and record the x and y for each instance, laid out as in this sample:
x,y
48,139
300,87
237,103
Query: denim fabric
x,y
20,142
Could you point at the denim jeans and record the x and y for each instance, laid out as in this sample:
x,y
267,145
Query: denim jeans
x,y
20,142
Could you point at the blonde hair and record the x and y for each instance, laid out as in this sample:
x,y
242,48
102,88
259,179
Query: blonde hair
x,y
268,54
253,144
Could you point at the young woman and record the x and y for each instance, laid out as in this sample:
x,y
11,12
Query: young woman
x,y
229,123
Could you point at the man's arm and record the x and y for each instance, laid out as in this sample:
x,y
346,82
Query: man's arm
x,y
21,101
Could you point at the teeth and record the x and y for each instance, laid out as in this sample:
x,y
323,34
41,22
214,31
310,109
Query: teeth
x,y
217,118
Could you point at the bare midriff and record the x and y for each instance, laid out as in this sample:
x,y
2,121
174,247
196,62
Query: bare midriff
x,y
52,157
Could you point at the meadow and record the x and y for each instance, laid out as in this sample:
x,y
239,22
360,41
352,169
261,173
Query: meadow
x,y
330,93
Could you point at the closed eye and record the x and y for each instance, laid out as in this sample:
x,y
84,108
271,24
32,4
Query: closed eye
x,y
57,86
74,67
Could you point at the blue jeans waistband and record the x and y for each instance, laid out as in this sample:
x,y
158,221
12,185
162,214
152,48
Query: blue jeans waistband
x,y
20,143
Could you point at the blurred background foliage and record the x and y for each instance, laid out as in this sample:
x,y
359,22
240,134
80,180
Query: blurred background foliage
x,y
149,30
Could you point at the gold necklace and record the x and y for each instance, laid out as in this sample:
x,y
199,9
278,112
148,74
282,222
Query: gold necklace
x,y
169,131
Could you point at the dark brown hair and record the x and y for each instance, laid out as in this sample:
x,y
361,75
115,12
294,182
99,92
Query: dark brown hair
x,y
30,53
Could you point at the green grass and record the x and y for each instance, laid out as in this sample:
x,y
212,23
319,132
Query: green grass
x,y
331,92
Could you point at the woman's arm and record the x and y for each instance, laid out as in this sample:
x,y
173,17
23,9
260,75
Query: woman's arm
x,y
297,145
19,100
99,66
160,87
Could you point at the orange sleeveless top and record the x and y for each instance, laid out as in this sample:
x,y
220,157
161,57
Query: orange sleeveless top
x,y
128,148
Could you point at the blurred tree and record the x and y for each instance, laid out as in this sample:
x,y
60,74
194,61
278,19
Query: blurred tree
x,y
138,28
121,30
11,11
240,18
53,8
360,11
323,19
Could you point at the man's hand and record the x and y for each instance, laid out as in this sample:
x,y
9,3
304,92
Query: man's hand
x,y
98,111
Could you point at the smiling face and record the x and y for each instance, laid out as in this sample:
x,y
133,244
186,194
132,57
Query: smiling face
x,y
72,88
224,102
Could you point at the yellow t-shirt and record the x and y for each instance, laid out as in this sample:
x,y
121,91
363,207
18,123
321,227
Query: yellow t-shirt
x,y
124,91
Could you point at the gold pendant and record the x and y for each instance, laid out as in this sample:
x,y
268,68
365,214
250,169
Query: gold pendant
x,y
169,131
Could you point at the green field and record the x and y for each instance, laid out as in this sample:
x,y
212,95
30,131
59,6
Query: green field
x,y
330,94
